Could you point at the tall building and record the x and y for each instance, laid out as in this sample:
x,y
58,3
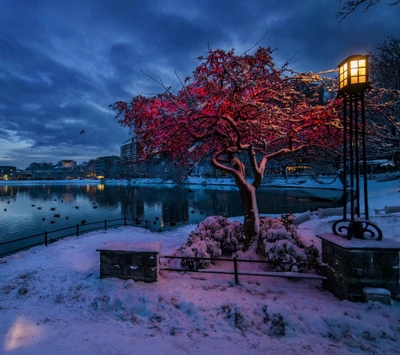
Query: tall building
x,y
129,151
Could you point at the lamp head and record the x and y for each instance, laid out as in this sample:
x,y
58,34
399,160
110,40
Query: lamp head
x,y
354,74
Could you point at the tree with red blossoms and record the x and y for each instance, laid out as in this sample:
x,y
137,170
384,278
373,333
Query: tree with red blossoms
x,y
234,106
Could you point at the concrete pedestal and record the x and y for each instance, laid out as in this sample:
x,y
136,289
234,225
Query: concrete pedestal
x,y
352,265
136,261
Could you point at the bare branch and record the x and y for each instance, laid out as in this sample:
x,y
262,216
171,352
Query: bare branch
x,y
350,6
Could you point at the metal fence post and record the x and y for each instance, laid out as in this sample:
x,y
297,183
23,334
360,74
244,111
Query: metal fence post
x,y
105,224
235,267
125,221
45,238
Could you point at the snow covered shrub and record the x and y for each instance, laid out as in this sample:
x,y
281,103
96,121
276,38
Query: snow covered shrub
x,y
287,220
388,176
212,237
312,255
281,247
196,247
284,255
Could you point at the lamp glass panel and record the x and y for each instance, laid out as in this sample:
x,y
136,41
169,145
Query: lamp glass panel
x,y
361,71
362,63
354,72
354,80
354,64
362,78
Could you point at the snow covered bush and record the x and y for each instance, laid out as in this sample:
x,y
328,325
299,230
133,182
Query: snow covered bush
x,y
278,242
395,175
210,239
281,247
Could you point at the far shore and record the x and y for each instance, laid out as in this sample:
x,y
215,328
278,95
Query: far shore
x,y
274,182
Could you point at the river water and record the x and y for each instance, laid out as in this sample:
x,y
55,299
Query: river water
x,y
29,210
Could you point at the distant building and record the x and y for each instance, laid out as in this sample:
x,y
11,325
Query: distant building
x,y
108,167
129,151
129,161
88,169
8,172
68,164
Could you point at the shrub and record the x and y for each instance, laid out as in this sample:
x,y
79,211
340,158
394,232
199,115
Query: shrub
x,y
281,247
212,237
278,242
388,176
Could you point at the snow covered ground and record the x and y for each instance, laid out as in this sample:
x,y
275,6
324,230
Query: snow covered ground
x,y
54,302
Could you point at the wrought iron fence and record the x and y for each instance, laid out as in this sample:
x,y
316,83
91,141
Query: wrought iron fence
x,y
51,236
236,272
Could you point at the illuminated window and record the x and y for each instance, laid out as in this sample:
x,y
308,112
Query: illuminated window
x,y
353,71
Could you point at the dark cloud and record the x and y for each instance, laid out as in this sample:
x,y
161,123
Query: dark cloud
x,y
63,63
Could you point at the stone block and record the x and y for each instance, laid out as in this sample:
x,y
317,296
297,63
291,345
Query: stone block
x,y
389,272
374,273
352,265
109,270
359,259
386,258
359,273
123,261
377,295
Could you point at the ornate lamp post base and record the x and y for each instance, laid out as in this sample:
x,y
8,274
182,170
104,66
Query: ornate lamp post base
x,y
360,229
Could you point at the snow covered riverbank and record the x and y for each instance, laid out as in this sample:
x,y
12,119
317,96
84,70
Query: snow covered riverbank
x,y
53,302
301,181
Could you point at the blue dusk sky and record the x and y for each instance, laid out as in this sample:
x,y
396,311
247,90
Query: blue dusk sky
x,y
62,63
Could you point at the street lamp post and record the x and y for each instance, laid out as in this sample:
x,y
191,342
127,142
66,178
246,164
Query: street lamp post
x,y
353,82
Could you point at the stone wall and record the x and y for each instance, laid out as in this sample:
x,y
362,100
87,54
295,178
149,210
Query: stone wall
x,y
133,261
350,265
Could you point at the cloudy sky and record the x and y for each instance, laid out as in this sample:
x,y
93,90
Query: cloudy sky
x,y
63,62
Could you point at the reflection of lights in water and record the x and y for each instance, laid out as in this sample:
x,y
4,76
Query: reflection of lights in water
x,y
90,189
23,333
68,197
100,187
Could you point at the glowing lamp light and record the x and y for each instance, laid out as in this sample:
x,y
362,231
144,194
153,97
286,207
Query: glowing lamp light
x,y
353,74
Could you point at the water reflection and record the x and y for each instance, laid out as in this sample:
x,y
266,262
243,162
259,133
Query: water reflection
x,y
28,210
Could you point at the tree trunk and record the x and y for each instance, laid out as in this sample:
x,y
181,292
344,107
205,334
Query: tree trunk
x,y
247,191
251,215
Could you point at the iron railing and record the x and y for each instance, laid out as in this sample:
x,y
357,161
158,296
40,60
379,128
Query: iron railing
x,y
235,261
75,230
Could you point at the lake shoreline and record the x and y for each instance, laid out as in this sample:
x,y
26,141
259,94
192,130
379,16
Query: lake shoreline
x,y
273,182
